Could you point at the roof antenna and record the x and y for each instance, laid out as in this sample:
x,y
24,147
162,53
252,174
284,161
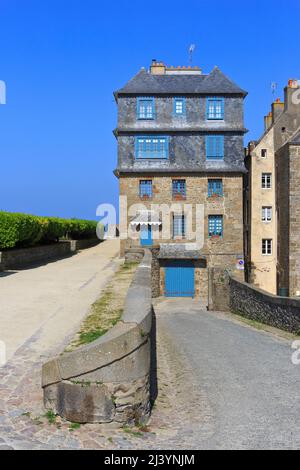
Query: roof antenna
x,y
191,51
273,89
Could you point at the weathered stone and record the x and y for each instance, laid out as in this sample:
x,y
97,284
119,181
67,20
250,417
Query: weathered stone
x,y
259,305
84,403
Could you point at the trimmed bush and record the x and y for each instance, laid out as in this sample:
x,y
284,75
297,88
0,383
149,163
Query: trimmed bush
x,y
21,230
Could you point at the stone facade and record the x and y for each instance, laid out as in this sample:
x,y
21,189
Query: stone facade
x,y
186,160
270,154
288,206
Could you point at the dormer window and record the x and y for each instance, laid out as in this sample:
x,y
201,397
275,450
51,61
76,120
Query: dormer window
x,y
145,108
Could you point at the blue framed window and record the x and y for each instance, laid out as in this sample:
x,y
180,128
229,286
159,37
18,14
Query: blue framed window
x,y
215,187
179,107
215,109
146,188
179,188
145,108
215,147
152,147
215,225
178,225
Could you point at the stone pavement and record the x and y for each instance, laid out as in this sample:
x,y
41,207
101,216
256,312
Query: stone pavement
x,y
222,384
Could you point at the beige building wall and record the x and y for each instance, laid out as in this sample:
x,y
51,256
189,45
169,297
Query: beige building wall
x,y
263,267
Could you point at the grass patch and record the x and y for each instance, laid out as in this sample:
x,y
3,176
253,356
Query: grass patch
x,y
51,417
132,432
107,310
74,426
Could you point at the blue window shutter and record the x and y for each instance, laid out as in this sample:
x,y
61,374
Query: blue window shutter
x,y
215,147
176,106
215,108
145,108
215,225
149,147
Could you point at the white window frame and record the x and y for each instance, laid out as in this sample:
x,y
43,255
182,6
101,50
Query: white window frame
x,y
264,179
265,247
265,211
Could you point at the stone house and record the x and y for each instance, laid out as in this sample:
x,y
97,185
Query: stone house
x,y
180,167
271,233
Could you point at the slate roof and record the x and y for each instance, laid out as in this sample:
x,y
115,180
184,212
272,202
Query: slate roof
x,y
214,83
180,251
296,139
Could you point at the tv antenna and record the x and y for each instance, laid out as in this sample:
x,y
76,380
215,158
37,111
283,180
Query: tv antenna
x,y
273,89
191,51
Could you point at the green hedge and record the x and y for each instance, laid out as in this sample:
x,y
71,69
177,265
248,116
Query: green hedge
x,y
21,230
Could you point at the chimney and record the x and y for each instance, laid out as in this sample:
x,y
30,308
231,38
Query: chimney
x,y
268,121
277,109
157,68
292,97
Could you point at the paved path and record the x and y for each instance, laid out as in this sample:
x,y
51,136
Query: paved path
x,y
43,305
248,389
222,385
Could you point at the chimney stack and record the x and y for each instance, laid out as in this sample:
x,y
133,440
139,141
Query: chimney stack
x,y
157,68
277,109
292,97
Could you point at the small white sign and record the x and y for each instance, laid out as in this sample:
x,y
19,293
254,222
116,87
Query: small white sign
x,y
240,264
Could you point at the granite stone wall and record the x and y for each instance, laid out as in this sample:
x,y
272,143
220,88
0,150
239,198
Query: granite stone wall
x,y
256,304
23,257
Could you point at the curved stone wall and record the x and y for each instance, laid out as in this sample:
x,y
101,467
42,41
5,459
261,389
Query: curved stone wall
x,y
108,379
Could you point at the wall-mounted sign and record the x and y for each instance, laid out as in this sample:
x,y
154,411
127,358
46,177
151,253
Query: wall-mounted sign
x,y
240,264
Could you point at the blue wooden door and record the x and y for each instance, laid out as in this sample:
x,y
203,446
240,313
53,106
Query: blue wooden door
x,y
146,235
180,279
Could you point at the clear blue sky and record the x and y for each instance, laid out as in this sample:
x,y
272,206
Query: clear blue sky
x,y
62,59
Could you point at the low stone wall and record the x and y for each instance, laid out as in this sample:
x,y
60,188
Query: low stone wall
x,y
108,379
23,257
256,304
20,258
77,245
134,254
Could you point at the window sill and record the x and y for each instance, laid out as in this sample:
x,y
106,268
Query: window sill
x,y
146,119
215,196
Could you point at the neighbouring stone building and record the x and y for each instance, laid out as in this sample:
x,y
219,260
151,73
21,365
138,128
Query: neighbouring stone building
x,y
180,140
272,236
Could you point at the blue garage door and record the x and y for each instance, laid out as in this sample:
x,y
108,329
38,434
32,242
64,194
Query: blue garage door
x,y
180,279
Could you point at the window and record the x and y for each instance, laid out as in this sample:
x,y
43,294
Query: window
x,y
179,106
267,246
215,187
215,108
266,180
145,188
151,147
264,153
215,225
145,108
266,214
178,225
179,188
215,147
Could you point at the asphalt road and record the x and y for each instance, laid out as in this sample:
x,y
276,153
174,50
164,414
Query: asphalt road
x,y
248,386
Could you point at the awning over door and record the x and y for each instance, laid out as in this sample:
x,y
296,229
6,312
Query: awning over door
x,y
146,218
